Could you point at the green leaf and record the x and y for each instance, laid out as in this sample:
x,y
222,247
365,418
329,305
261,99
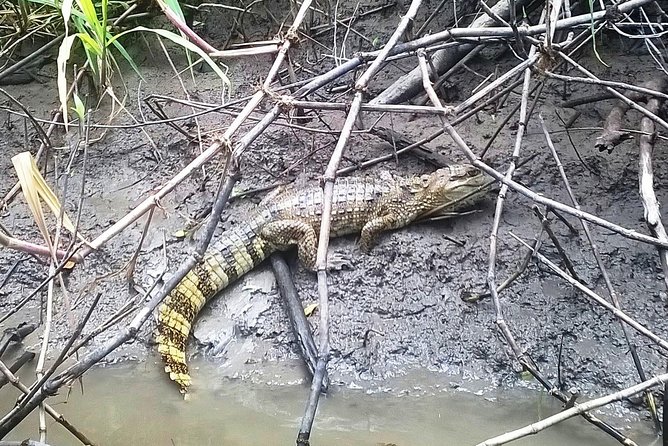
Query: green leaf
x,y
176,8
127,57
90,13
61,62
79,108
91,44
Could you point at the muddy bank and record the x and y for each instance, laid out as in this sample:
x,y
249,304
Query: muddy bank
x,y
398,308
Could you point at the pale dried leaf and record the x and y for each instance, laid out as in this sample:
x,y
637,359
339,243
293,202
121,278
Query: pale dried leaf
x,y
35,187
310,308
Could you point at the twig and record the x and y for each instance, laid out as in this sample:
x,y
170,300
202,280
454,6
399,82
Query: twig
x,y
43,350
212,150
601,266
523,359
16,366
474,160
35,249
410,84
607,142
555,241
9,273
16,335
646,178
573,411
474,297
54,122
35,54
23,443
51,386
7,373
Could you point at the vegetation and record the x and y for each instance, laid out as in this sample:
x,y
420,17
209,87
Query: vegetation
x,y
94,26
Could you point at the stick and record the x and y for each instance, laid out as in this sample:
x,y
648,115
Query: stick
x,y
51,386
534,428
300,326
607,305
601,266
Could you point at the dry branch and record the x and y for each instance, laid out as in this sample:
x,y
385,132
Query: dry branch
x,y
411,84
10,377
300,326
619,314
534,428
458,42
50,387
523,359
646,176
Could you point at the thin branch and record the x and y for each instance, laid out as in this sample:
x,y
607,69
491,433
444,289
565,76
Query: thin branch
x,y
534,428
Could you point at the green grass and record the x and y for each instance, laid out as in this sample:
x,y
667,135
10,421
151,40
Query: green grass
x,y
86,26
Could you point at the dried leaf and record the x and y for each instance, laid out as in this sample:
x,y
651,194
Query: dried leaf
x,y
63,57
310,308
180,234
34,188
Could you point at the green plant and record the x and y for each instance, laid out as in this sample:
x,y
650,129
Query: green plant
x,y
86,23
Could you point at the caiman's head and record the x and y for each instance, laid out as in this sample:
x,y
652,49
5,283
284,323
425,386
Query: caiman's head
x,y
452,188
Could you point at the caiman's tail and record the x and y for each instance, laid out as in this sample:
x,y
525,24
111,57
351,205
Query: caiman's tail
x,y
238,251
175,316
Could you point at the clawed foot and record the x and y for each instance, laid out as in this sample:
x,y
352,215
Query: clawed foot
x,y
335,262
338,261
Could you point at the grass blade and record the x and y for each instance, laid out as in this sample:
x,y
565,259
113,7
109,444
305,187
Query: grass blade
x,y
181,42
61,62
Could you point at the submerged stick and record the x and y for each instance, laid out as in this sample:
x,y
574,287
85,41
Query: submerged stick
x,y
59,418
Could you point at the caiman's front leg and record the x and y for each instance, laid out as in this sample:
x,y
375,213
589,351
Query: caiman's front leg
x,y
374,227
283,233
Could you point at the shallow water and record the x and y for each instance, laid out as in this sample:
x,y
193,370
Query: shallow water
x,y
135,405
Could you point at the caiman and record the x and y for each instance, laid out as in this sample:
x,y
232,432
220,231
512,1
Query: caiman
x,y
291,216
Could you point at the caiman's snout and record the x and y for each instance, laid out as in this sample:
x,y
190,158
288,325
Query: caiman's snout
x,y
458,176
456,187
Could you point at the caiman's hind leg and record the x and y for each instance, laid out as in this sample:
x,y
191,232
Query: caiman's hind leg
x,y
283,233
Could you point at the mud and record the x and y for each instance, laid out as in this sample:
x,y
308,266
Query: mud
x,y
397,309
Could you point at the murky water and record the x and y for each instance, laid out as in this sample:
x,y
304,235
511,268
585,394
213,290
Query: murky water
x,y
135,405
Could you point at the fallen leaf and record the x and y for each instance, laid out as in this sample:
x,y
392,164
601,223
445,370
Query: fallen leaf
x,y
34,188
310,308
